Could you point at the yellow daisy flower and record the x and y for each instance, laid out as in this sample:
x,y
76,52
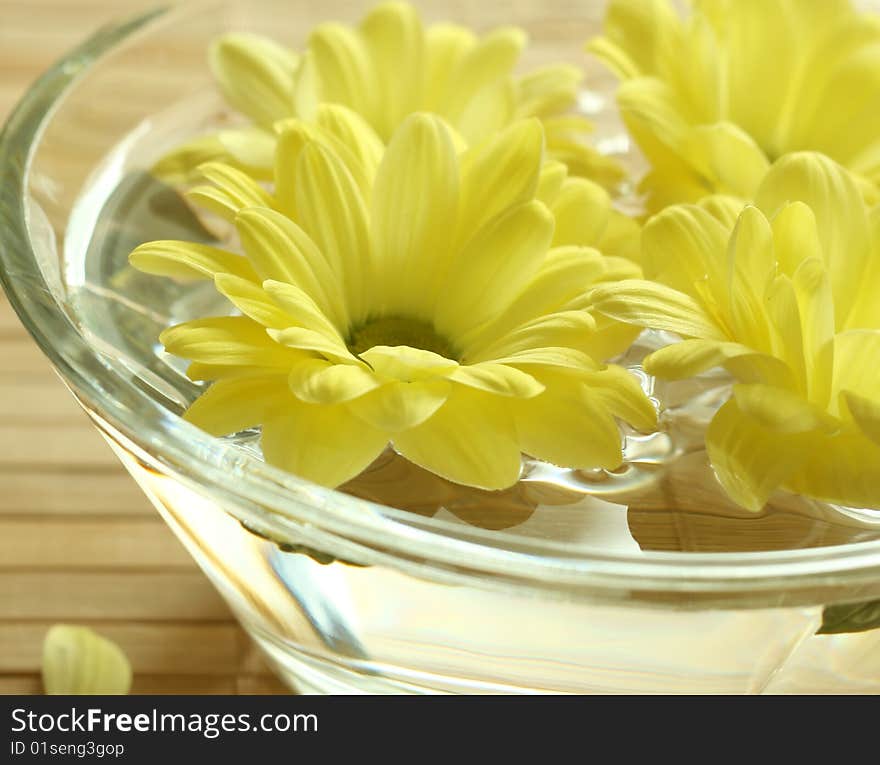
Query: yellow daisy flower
x,y
787,303
714,98
385,68
409,295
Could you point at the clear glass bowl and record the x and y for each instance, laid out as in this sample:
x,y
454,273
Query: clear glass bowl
x,y
643,580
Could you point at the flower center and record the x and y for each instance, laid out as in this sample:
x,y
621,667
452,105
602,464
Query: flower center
x,y
399,330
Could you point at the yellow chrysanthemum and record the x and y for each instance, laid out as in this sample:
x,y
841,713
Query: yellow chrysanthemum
x,y
385,68
409,295
788,303
713,99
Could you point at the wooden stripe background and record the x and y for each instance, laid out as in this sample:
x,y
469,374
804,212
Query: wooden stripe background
x,y
78,541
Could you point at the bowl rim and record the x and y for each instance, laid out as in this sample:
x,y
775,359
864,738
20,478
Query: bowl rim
x,y
274,499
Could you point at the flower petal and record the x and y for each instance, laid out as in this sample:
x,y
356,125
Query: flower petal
x,y
470,440
841,218
237,403
342,63
622,393
79,661
256,76
691,357
582,210
812,287
656,306
568,425
302,310
780,410
317,381
494,267
407,364
415,204
331,210
321,443
189,260
844,469
866,413
227,341
500,379
500,173
398,406
304,339
252,301
232,191
281,251
750,461
395,41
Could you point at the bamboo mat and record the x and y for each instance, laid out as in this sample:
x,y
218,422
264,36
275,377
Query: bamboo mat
x,y
79,543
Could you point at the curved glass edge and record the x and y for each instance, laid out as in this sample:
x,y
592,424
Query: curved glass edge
x,y
281,501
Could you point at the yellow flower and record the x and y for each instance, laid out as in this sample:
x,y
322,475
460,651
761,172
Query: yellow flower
x,y
713,99
787,303
409,295
385,68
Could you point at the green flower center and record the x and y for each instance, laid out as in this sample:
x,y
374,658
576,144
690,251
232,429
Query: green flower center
x,y
399,330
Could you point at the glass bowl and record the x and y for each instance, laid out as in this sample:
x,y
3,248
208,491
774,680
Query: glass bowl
x,y
642,580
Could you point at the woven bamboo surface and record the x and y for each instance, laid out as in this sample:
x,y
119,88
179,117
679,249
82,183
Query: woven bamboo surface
x,y
79,543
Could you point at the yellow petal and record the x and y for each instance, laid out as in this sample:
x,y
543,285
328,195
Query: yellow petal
x,y
571,329
844,469
395,41
866,413
635,33
188,260
251,148
500,173
857,363
317,381
841,218
568,425
321,443
301,308
293,136
304,339
795,236
232,190
342,63
656,306
333,213
236,403
79,661
281,251
256,76
500,379
751,462
548,90
621,392
490,60
780,410
350,130
398,406
691,357
252,300
813,290
751,267
685,246
470,440
226,340
727,155
415,203
406,364
178,167
866,312
488,112
582,210
566,358
494,267
563,275
446,44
